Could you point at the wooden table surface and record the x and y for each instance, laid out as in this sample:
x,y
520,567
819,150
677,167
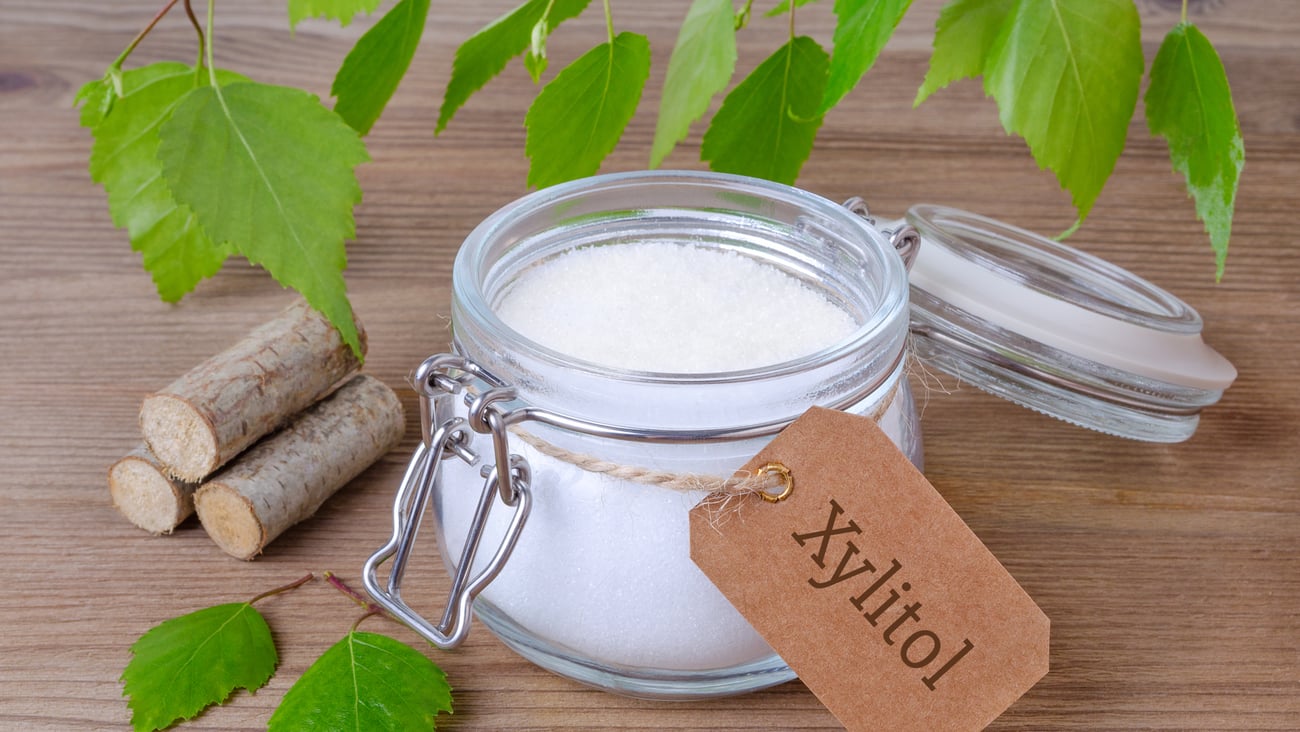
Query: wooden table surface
x,y
1171,574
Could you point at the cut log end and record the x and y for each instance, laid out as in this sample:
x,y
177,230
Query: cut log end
x,y
286,477
225,404
179,436
231,521
146,496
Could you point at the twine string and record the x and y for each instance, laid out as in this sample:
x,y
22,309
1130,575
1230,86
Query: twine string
x,y
740,484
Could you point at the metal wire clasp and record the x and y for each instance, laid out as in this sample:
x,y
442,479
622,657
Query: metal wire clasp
x,y
904,238
438,380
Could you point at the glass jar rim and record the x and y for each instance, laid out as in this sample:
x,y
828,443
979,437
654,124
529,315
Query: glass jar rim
x,y
472,266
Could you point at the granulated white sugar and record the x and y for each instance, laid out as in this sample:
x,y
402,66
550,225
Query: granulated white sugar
x,y
602,569
673,308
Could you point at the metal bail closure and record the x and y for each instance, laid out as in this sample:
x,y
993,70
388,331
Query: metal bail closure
x,y
438,379
903,237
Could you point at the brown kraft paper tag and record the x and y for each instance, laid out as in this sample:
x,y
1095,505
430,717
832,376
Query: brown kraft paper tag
x,y
871,587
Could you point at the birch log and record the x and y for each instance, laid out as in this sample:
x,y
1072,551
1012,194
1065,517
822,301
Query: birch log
x,y
228,402
287,476
146,496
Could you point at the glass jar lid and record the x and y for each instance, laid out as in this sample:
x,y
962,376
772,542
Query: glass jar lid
x,y
1057,330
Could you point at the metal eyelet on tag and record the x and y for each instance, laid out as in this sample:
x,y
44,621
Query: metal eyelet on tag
x,y
782,474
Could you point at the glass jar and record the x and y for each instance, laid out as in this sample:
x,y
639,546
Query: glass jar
x,y
600,586
590,573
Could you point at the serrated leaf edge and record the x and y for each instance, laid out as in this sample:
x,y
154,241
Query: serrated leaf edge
x,y
410,46
252,687
126,199
1220,236
351,334
447,110
608,72
788,112
1083,201
662,148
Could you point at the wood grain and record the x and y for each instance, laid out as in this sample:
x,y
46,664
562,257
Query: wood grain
x,y
1171,574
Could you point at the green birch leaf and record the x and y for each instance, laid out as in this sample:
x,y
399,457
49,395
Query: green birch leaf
x,y
783,7
578,117
535,60
963,36
366,682
340,10
483,55
535,64
376,64
862,28
767,124
124,160
1189,104
95,98
98,98
1065,74
186,664
270,170
701,66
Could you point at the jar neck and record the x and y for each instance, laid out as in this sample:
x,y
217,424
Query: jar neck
x,y
810,238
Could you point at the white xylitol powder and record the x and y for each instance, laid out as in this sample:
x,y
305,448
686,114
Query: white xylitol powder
x,y
602,567
660,306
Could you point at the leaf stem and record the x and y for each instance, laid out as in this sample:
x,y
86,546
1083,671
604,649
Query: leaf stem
x,y
742,18
367,614
357,597
609,23
198,28
284,588
117,64
793,5
1184,16
212,67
